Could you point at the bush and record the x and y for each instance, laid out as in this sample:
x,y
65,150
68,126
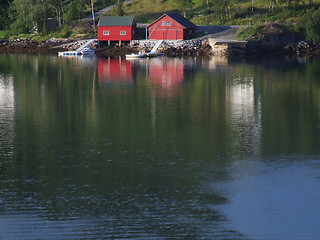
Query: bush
x,y
245,33
5,34
309,26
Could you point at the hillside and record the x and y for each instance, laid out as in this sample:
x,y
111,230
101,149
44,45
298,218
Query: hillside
x,y
290,16
300,18
219,12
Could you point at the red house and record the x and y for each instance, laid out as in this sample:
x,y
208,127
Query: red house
x,y
116,28
171,26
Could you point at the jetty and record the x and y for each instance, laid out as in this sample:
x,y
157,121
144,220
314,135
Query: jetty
x,y
143,54
82,50
227,46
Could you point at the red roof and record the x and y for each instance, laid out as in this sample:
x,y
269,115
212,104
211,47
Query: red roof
x,y
178,18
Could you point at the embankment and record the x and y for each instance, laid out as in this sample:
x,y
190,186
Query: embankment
x,y
194,47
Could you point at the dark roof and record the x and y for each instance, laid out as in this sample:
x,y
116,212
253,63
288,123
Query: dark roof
x,y
115,21
178,18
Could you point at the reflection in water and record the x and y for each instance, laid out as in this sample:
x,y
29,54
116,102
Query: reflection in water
x,y
164,73
163,155
245,114
114,70
167,73
6,115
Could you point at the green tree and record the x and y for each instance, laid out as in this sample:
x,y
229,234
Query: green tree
x,y
221,8
312,26
119,8
22,13
183,5
29,15
58,8
75,11
4,5
309,26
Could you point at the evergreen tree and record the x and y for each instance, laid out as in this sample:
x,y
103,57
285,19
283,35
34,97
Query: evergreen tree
x,y
119,8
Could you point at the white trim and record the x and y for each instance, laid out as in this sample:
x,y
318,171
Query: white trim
x,y
123,32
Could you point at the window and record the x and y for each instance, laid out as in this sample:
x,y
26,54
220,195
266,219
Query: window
x,y
163,23
168,23
123,33
105,32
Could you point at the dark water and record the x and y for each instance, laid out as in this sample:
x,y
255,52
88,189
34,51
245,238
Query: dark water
x,y
159,149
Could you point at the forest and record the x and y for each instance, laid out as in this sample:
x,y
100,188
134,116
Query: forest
x,y
26,17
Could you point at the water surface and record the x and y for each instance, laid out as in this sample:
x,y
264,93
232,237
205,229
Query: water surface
x,y
165,148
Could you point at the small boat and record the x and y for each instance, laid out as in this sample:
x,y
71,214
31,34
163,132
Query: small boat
x,y
140,54
69,53
87,51
143,54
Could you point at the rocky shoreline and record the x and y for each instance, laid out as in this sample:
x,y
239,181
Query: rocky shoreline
x,y
195,47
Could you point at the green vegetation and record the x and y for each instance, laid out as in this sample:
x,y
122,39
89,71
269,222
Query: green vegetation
x,y
298,17
301,17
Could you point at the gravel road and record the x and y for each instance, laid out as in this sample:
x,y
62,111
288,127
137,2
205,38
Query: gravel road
x,y
219,32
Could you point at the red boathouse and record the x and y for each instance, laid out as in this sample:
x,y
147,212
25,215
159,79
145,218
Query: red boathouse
x,y
116,29
171,26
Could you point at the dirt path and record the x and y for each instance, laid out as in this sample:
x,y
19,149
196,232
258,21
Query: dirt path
x,y
219,32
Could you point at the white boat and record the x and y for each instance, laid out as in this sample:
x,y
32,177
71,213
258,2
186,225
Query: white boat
x,y
87,51
143,54
140,54
69,53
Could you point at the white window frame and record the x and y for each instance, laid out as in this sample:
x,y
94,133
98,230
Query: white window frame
x,y
168,23
123,32
105,32
163,23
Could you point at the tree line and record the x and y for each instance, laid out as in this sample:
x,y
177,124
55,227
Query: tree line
x,y
26,16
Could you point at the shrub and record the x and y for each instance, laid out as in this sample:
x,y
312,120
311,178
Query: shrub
x,y
5,34
309,26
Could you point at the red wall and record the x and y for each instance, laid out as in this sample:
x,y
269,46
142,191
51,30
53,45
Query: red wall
x,y
173,32
114,33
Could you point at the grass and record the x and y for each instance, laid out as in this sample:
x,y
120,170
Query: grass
x,y
146,11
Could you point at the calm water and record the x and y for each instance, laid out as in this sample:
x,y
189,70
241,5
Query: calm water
x,y
159,149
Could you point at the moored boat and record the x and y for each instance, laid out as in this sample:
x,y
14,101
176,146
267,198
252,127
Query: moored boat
x,y
140,54
87,51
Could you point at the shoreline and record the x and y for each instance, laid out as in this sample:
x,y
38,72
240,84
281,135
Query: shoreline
x,y
193,47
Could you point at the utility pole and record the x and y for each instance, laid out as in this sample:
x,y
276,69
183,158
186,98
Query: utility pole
x,y
92,10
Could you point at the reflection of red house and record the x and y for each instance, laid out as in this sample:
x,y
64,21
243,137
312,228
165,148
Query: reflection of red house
x,y
113,70
117,28
166,73
171,26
